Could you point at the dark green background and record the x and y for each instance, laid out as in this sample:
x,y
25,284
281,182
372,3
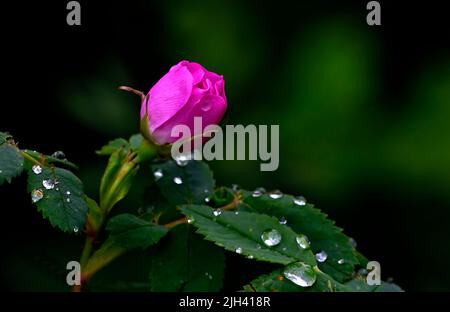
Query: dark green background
x,y
363,112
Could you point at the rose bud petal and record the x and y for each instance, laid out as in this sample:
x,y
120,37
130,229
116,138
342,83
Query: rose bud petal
x,y
188,90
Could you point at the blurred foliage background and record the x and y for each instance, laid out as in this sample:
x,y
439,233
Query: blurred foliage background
x,y
363,112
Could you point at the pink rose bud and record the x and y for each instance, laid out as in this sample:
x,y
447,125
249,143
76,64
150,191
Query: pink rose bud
x,y
188,90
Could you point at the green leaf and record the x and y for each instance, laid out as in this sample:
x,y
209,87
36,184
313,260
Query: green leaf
x,y
117,178
184,261
136,141
95,216
321,231
64,204
130,231
11,163
359,284
127,232
196,179
4,136
277,282
113,146
242,232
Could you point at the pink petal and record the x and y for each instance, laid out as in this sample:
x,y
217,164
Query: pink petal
x,y
169,95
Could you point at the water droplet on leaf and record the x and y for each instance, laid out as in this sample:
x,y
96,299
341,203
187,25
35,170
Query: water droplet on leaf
x,y
239,250
36,195
182,159
283,220
158,174
258,192
341,261
276,194
37,169
271,237
48,184
321,256
300,200
235,187
177,180
300,274
302,241
59,155
75,229
217,212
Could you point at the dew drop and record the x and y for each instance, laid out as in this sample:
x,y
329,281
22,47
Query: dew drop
x,y
250,257
217,212
207,199
300,200
48,184
37,169
68,193
238,250
300,274
341,261
75,229
209,276
182,159
302,241
158,174
190,220
362,271
271,237
321,256
236,212
235,187
283,220
68,200
177,180
276,194
59,155
36,195
258,192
